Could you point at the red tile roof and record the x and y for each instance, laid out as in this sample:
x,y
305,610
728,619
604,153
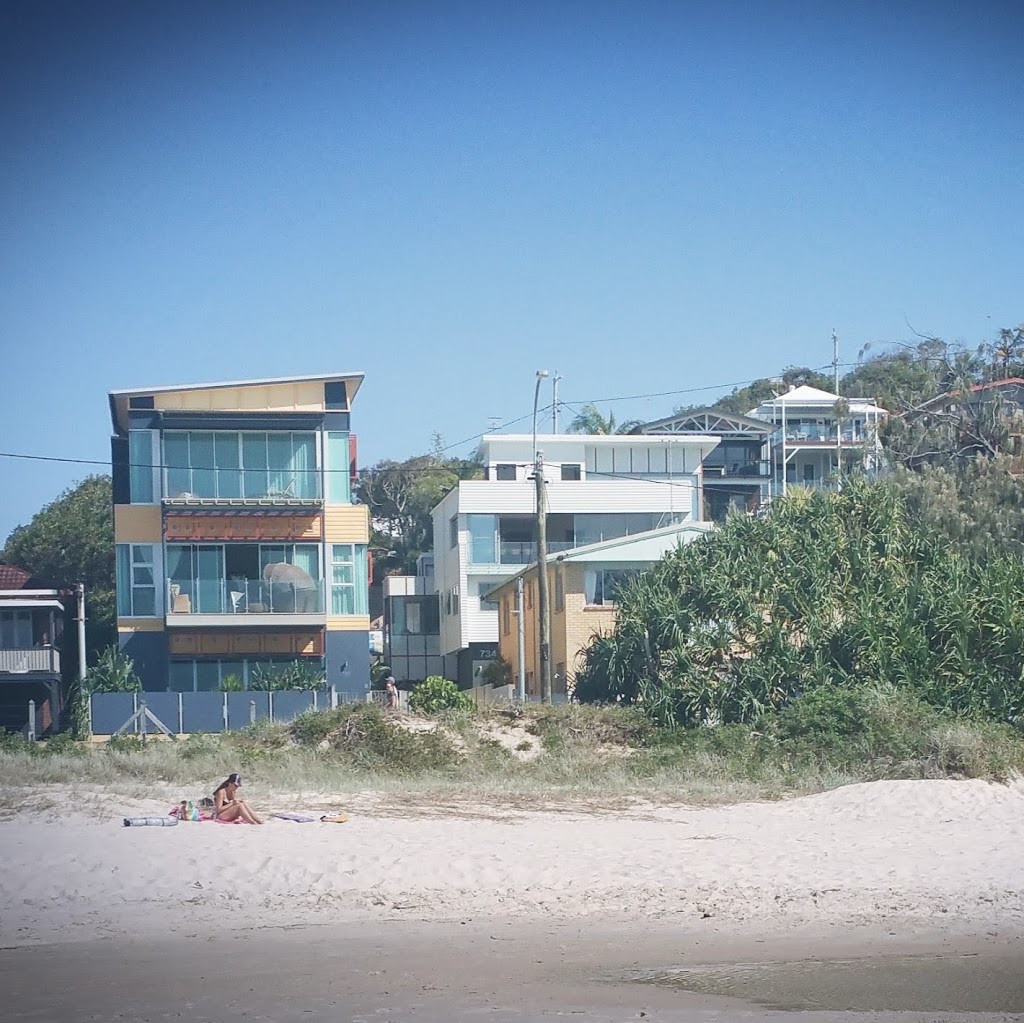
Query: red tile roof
x,y
13,578
999,383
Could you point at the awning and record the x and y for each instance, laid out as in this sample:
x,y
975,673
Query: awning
x,y
6,605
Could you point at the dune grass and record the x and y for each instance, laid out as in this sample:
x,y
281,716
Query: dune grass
x,y
536,757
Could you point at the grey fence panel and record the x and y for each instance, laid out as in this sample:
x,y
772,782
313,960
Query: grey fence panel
x,y
165,707
202,712
238,707
110,711
290,703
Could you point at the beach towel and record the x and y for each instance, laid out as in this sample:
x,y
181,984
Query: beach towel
x,y
299,818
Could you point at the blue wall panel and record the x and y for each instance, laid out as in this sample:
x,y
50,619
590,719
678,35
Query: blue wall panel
x,y
238,708
165,707
110,711
291,703
348,661
148,651
202,712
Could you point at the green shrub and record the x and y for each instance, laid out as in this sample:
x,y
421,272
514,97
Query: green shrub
x,y
126,744
436,694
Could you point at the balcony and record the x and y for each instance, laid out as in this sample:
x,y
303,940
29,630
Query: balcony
x,y
245,602
32,659
514,552
242,488
736,470
811,434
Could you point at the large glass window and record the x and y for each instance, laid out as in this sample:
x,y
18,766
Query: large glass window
x,y
230,465
415,616
483,536
140,458
348,579
188,676
602,584
240,579
15,630
338,469
136,580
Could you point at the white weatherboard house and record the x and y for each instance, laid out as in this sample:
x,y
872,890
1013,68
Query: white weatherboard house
x,y
812,443
598,487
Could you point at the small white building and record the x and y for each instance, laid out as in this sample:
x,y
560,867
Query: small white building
x,y
812,444
598,488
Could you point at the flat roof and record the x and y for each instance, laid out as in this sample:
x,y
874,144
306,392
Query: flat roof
x,y
625,439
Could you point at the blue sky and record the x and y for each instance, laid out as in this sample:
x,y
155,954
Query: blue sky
x,y
646,197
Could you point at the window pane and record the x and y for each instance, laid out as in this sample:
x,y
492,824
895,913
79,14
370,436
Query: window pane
x,y
304,465
281,478
140,457
229,479
204,479
144,600
179,478
142,554
344,574
210,580
343,600
482,535
181,676
124,580
338,468
254,464
207,676
142,575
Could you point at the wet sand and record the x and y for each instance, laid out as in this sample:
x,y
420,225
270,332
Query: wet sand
x,y
520,971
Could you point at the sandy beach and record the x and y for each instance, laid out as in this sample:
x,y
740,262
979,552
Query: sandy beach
x,y
918,854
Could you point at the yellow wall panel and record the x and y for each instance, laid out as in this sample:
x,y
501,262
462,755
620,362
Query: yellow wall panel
x,y
304,397
137,523
348,623
347,523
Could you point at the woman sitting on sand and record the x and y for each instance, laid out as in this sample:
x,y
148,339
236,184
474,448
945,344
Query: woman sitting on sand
x,y
226,804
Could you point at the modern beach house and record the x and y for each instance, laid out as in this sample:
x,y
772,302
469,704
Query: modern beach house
x,y
239,550
598,488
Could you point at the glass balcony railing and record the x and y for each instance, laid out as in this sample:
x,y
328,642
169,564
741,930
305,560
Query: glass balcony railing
x,y
244,596
242,485
736,469
514,552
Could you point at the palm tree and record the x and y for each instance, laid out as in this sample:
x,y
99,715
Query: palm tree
x,y
590,420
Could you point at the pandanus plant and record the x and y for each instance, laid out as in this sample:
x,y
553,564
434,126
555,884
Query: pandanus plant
x,y
826,590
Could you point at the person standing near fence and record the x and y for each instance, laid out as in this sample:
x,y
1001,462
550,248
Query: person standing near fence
x,y
391,693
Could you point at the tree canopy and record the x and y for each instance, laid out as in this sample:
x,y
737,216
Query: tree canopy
x,y
590,420
401,497
837,589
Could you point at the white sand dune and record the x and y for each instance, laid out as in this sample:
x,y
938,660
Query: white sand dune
x,y
916,852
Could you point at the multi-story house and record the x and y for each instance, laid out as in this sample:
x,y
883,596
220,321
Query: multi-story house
x,y
583,583
736,474
598,488
817,437
239,550
31,628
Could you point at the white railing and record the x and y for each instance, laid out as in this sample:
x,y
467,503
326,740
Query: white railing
x,y
31,659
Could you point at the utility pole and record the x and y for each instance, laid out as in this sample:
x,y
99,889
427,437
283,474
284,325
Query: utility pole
x,y
80,595
554,402
542,580
521,628
839,418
